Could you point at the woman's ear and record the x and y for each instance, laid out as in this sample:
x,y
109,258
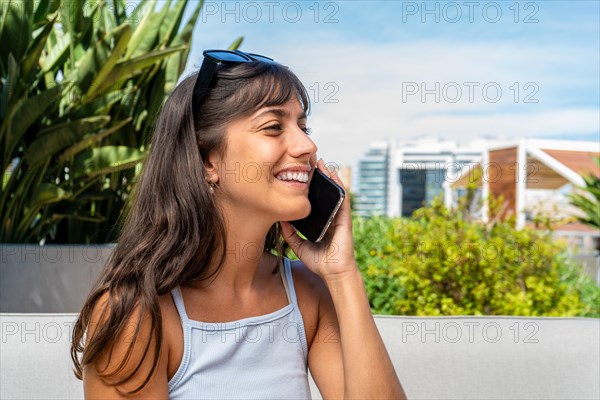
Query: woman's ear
x,y
212,166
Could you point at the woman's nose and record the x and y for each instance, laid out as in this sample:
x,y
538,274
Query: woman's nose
x,y
302,144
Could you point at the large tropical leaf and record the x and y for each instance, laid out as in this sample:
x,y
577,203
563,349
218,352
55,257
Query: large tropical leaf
x,y
26,112
55,138
107,159
91,140
122,35
127,69
47,193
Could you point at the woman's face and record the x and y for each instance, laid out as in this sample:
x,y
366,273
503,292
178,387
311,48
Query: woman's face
x,y
268,164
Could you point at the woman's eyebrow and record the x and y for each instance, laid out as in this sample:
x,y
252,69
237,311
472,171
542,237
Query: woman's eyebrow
x,y
280,112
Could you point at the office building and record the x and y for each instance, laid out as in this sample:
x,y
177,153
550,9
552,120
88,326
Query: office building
x,y
372,180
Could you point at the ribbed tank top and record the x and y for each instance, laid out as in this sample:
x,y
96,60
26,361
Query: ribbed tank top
x,y
263,357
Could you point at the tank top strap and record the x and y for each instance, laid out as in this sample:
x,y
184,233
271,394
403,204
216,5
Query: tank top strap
x,y
178,299
288,281
297,315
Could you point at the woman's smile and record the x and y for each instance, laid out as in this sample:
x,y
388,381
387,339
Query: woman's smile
x,y
297,177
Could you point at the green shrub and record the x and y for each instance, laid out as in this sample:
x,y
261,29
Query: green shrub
x,y
441,262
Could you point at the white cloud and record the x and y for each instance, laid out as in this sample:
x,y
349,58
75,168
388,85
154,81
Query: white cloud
x,y
371,80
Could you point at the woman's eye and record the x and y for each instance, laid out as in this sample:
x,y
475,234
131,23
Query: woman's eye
x,y
275,128
278,128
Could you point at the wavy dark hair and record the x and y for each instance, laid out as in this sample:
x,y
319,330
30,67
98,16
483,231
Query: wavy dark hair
x,y
172,225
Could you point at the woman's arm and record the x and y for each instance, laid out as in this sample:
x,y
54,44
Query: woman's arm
x,y
347,357
368,370
96,387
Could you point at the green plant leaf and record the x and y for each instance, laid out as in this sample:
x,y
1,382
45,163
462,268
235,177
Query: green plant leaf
x,y
105,159
32,57
47,193
122,34
16,30
171,22
55,138
129,68
56,52
236,43
145,37
93,139
26,112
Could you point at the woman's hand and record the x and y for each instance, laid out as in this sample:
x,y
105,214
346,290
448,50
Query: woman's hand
x,y
333,257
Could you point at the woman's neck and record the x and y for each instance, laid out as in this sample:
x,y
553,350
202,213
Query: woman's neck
x,y
246,263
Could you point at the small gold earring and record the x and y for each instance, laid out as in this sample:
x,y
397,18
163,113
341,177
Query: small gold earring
x,y
211,184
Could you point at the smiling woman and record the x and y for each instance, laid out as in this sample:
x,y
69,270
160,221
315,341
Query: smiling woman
x,y
198,299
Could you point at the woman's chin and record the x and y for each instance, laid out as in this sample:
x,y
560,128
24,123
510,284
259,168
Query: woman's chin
x,y
299,213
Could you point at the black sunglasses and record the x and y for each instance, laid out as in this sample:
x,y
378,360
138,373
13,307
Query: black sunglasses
x,y
212,59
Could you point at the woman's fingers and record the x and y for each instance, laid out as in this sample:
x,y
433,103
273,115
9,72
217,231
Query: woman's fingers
x,y
297,244
323,167
335,177
290,236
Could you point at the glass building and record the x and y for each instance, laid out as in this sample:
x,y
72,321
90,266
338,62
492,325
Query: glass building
x,y
372,183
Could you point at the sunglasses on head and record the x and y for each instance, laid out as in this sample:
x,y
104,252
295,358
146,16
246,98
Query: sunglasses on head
x,y
212,59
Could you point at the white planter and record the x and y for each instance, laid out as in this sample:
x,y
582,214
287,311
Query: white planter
x,y
50,278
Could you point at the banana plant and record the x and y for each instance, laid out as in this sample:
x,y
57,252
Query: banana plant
x,y
80,85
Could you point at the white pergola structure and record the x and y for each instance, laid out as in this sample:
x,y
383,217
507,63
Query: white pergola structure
x,y
513,169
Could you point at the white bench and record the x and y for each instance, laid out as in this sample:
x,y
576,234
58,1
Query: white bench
x,y
435,357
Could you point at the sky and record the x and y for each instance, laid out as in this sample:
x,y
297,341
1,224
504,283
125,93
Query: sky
x,y
403,69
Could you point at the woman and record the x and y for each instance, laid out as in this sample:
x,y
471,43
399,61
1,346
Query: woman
x,y
197,300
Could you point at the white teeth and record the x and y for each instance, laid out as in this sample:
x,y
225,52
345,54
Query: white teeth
x,y
293,176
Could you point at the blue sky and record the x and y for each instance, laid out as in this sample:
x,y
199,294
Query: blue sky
x,y
401,69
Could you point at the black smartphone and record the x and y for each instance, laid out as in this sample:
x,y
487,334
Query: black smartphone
x,y
325,198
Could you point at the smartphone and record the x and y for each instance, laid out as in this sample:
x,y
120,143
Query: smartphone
x,y
325,198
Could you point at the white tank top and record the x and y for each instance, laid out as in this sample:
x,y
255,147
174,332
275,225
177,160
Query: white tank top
x,y
263,357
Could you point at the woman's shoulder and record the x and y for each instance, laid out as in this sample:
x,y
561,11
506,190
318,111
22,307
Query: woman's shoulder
x,y
129,357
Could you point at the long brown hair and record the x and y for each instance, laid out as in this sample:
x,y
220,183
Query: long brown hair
x,y
173,225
